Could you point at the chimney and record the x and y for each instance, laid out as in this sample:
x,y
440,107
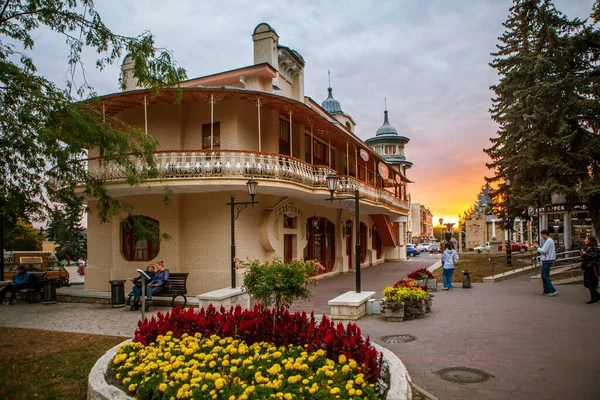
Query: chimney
x,y
265,44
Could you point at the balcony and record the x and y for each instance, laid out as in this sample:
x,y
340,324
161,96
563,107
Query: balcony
x,y
182,165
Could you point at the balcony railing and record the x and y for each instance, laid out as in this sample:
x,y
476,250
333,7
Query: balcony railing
x,y
243,164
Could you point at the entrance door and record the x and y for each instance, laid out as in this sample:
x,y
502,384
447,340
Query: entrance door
x,y
288,248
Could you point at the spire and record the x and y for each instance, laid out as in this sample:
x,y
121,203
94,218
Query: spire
x,y
331,105
386,128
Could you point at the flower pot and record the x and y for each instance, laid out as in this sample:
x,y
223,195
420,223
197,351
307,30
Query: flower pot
x,y
415,309
430,283
428,304
394,312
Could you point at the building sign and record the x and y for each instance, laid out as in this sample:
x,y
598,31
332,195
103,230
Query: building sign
x,y
564,207
384,172
290,210
364,155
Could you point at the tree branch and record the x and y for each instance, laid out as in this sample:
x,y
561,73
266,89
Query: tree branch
x,y
4,9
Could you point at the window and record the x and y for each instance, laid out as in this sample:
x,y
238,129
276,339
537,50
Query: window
x,y
321,242
349,126
289,222
389,149
307,148
284,137
216,136
139,238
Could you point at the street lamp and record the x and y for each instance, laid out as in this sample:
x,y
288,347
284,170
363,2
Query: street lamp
x,y
235,213
332,181
508,247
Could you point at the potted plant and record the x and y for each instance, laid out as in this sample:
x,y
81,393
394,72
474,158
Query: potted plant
x,y
424,278
406,300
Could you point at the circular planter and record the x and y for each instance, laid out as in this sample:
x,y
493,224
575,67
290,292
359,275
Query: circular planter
x,y
100,389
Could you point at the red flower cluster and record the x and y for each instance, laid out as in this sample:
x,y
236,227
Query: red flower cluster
x,y
420,274
409,283
268,325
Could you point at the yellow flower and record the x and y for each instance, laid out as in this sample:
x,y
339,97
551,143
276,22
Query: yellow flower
x,y
162,387
288,396
219,383
334,391
132,387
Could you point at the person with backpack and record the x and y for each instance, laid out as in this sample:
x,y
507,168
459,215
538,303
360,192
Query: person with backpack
x,y
591,268
449,260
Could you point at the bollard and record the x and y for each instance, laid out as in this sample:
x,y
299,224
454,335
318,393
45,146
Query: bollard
x,y
467,280
49,291
117,293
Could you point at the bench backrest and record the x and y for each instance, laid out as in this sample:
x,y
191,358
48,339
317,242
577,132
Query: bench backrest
x,y
36,276
178,282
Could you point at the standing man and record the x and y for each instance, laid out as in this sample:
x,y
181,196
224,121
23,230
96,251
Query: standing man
x,y
19,281
547,256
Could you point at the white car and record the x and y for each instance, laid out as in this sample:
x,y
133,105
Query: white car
x,y
483,247
423,247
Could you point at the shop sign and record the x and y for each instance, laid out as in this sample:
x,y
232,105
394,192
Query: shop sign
x,y
564,207
364,155
290,210
384,172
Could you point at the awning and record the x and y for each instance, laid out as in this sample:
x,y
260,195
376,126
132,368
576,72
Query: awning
x,y
384,229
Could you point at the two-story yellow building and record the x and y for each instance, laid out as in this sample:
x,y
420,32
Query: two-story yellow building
x,y
251,122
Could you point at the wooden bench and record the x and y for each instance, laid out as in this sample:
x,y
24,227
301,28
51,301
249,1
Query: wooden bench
x,y
34,288
176,286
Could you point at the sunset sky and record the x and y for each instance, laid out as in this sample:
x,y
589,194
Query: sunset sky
x,y
429,58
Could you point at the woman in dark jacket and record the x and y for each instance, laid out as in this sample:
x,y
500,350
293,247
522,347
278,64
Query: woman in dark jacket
x,y
591,267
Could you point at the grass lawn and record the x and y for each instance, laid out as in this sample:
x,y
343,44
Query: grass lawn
x,y
39,364
480,266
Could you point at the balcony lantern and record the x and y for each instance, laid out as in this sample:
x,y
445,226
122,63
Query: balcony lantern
x,y
252,184
332,181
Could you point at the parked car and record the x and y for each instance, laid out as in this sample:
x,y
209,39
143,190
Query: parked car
x,y
435,248
483,247
411,251
515,247
424,247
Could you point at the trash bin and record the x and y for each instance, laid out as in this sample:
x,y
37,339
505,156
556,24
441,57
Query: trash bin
x,y
49,291
467,280
117,293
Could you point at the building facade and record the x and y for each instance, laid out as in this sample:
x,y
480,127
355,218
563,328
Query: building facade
x,y
421,222
251,122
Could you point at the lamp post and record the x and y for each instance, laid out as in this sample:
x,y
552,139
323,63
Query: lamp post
x,y
332,181
235,213
508,246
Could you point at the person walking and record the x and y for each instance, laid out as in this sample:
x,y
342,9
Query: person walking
x,y
449,260
547,257
591,267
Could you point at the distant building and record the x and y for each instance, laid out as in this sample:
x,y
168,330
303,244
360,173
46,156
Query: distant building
x,y
421,222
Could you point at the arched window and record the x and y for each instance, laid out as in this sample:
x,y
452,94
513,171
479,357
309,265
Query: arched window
x,y
349,126
140,238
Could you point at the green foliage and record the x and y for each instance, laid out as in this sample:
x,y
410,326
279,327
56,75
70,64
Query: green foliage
x,y
275,283
22,236
44,134
69,235
548,108
404,294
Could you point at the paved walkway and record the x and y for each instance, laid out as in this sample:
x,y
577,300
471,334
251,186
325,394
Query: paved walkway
x,y
535,347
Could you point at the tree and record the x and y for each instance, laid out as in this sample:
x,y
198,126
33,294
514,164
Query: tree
x,y
548,111
22,236
44,132
66,231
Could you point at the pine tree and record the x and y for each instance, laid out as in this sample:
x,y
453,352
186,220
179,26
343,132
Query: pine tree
x,y
546,106
70,237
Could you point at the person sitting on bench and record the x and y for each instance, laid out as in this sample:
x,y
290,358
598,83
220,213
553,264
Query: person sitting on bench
x,y
154,287
19,281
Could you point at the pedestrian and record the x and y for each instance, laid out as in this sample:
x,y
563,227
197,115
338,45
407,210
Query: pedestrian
x,y
449,260
591,267
547,257
449,239
18,282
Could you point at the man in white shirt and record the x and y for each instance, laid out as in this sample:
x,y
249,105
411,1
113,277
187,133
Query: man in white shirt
x,y
547,256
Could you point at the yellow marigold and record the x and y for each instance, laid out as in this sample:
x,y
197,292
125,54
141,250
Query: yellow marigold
x,y
219,383
288,396
162,387
345,369
358,392
351,392
132,387
334,391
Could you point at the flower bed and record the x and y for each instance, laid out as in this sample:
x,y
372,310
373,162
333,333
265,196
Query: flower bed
x,y
424,278
274,352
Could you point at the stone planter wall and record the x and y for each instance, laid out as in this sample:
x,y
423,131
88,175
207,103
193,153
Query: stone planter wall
x,y
430,283
398,312
100,389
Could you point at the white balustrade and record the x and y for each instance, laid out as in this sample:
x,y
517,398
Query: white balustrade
x,y
232,164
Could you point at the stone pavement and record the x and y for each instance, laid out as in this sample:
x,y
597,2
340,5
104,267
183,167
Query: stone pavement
x,y
534,346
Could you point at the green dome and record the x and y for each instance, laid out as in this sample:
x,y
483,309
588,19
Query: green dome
x,y
386,128
331,105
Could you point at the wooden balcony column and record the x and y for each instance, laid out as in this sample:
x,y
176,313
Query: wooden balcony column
x,y
290,111
312,141
347,160
259,102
